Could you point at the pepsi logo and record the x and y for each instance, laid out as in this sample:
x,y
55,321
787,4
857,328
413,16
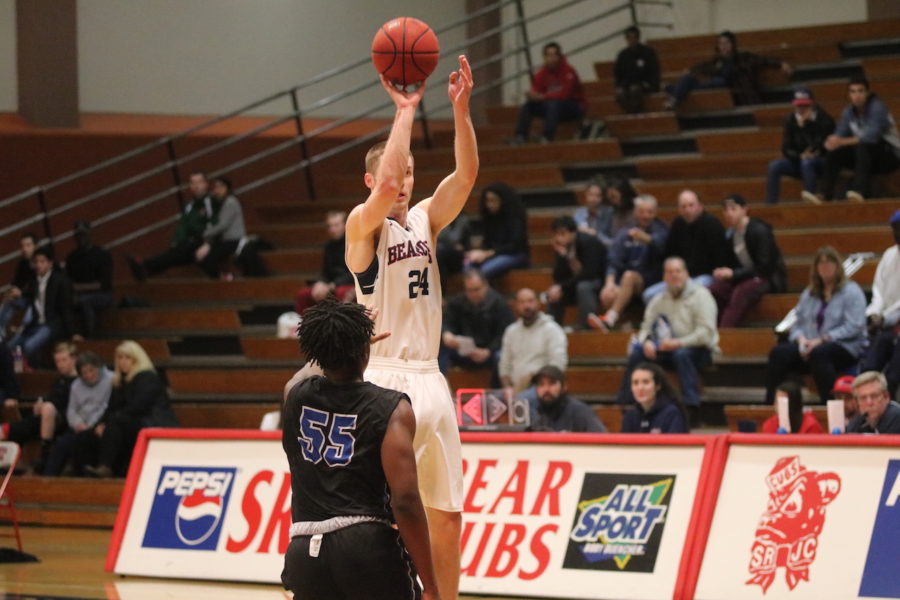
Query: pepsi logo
x,y
197,517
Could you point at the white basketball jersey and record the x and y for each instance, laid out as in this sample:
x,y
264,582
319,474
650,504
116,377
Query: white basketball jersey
x,y
404,284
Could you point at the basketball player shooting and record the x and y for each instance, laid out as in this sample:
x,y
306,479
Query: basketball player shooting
x,y
390,250
342,543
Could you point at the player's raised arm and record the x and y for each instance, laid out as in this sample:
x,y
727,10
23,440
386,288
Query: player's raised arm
x,y
451,195
386,183
399,463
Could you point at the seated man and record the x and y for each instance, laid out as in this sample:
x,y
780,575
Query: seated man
x,y
877,414
13,300
188,233
635,261
555,94
90,268
636,72
883,315
678,330
51,316
474,322
225,231
556,410
335,277
533,341
578,271
802,147
756,268
865,140
48,416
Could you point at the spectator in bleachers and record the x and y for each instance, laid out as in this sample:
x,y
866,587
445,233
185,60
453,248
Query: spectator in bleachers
x,y
608,208
865,141
14,301
678,331
9,383
474,322
636,72
555,95
697,237
50,318
88,400
139,399
188,233
47,418
504,232
802,147
730,69
90,268
535,340
801,422
451,246
757,267
829,334
225,231
843,390
335,277
578,271
635,261
877,413
883,314
556,409
657,408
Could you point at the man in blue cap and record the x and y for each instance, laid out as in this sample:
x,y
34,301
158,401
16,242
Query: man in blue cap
x,y
883,314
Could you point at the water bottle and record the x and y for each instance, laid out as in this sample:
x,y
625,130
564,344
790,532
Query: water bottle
x,y
18,360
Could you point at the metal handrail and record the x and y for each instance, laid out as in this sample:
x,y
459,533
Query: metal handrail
x,y
174,161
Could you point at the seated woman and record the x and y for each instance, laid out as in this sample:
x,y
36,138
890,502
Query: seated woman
x,y
728,69
504,227
830,332
139,399
608,207
801,422
658,409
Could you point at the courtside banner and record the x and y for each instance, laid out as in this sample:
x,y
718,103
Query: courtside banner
x,y
805,517
546,515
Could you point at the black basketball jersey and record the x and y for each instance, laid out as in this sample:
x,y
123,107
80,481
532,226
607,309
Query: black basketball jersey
x,y
332,437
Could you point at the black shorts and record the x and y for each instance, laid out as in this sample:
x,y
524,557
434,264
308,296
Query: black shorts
x,y
367,561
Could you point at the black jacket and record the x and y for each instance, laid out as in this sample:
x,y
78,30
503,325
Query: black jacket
x,y
768,263
591,253
565,414
505,232
24,273
58,304
638,65
144,399
90,265
664,417
484,322
334,266
796,140
701,244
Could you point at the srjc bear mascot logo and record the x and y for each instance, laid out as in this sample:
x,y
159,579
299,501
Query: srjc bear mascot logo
x,y
788,531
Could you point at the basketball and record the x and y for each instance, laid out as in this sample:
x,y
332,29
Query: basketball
x,y
405,50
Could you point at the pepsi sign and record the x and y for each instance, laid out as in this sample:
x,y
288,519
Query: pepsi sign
x,y
879,579
188,508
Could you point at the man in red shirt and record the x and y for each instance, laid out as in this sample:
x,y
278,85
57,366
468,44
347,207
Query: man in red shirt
x,y
555,95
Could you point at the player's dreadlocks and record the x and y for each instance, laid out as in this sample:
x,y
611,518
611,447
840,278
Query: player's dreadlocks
x,y
335,334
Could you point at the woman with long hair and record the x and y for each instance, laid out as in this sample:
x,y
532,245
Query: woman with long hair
x,y
829,334
139,399
801,422
658,408
504,228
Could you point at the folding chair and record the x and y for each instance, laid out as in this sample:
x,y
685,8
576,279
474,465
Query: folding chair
x,y
9,456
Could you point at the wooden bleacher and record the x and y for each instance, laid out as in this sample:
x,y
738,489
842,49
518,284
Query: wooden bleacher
x,y
234,388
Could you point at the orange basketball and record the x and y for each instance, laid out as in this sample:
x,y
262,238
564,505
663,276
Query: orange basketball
x,y
405,50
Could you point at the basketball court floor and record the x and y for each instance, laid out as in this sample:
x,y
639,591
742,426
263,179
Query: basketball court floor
x,y
71,567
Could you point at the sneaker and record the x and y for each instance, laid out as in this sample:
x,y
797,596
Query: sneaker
x,y
853,196
810,197
599,323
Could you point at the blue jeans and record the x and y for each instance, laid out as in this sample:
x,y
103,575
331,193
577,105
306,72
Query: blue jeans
x,y
33,337
500,264
90,304
807,169
8,309
685,361
552,111
658,288
687,83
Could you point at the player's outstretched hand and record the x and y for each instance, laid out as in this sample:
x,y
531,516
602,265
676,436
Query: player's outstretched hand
x,y
461,83
402,97
372,313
